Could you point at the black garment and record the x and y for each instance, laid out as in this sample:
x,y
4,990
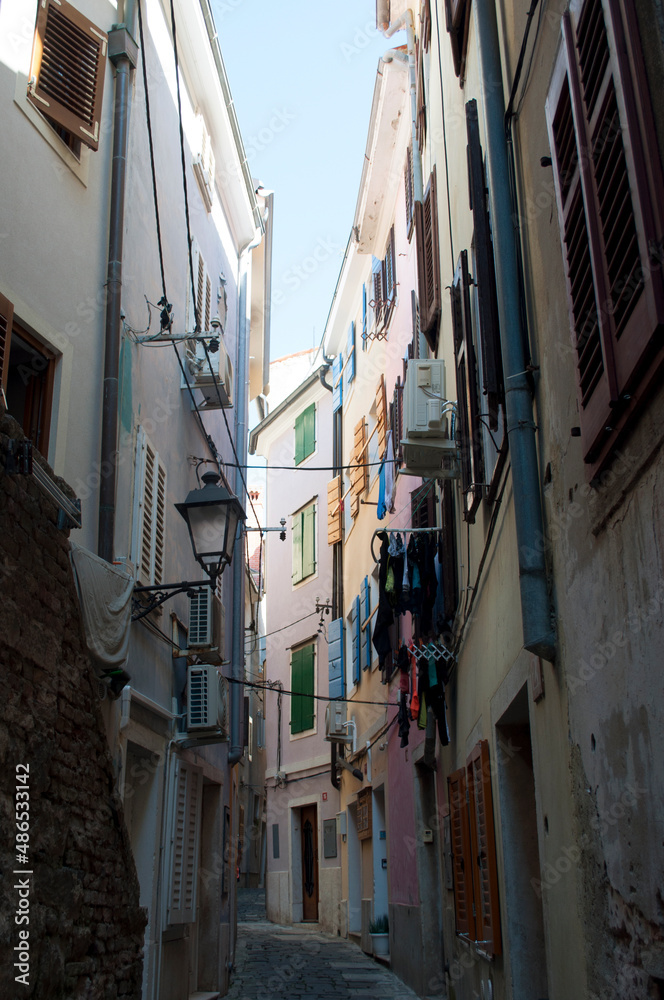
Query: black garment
x,y
404,720
384,617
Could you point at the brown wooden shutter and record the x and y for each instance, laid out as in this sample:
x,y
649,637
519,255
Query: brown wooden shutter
x,y
67,70
428,263
381,416
359,474
461,854
410,192
470,430
423,506
421,129
608,179
425,20
489,332
485,871
334,511
457,17
6,321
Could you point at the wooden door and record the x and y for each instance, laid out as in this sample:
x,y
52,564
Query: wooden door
x,y
309,828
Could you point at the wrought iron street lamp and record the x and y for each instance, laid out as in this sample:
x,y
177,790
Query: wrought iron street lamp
x,y
212,515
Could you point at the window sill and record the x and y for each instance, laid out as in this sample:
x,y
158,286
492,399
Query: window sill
x,y
80,168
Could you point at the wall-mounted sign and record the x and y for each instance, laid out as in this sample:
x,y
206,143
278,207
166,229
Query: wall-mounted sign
x,y
364,814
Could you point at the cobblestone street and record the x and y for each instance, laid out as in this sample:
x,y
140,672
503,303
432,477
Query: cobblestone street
x,y
286,963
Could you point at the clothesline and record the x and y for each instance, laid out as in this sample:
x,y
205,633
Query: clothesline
x,y
401,531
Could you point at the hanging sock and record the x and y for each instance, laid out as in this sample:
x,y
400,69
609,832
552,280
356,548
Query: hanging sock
x,y
404,721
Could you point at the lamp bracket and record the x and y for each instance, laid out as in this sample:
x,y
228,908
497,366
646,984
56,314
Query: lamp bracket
x,y
158,594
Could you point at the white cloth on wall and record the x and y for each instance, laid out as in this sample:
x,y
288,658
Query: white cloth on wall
x,y
104,594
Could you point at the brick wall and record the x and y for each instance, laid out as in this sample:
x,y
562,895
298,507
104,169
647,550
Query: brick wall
x,y
85,924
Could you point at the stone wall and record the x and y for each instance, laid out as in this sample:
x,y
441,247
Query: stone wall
x,y
79,888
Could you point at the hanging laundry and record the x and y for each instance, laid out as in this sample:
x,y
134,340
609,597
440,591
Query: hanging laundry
x,y
386,481
384,617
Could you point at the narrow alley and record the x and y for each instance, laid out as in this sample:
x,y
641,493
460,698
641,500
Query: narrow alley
x,y
274,962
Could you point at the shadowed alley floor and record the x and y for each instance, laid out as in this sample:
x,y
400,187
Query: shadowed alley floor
x,y
287,963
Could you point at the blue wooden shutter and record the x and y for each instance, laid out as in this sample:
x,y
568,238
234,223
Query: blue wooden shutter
x,y
337,382
366,634
365,342
350,350
355,626
308,540
297,548
335,654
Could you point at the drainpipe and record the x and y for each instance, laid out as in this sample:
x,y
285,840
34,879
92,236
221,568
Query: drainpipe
x,y
538,631
406,21
236,748
123,53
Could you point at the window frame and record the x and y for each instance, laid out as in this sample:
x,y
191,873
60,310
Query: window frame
x,y
306,514
305,430
428,262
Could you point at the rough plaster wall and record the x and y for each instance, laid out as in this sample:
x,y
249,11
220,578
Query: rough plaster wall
x,y
86,926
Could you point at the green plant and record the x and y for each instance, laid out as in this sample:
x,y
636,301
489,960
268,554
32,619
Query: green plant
x,y
380,925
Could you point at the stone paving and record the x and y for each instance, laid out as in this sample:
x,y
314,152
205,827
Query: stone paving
x,y
289,963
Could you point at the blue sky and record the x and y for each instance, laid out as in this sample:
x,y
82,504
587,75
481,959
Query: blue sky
x,y
302,76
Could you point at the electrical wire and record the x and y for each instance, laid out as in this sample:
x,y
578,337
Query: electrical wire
x,y
274,632
311,468
269,686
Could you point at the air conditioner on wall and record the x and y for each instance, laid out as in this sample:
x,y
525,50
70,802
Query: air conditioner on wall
x,y
207,701
335,718
201,376
206,624
428,449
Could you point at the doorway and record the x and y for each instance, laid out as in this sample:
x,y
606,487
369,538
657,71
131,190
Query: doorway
x,y
309,847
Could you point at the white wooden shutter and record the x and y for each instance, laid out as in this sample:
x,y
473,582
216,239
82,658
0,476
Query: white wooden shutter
x,y
149,516
187,801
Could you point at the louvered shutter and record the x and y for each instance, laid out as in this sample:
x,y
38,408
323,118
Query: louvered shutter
x,y
457,17
308,540
297,573
608,180
188,792
390,271
67,70
421,128
489,332
337,383
365,343
450,579
485,874
296,688
425,30
305,434
334,511
461,854
428,263
335,654
355,639
193,299
469,424
6,321
410,191
359,476
350,353
365,624
381,416
378,292
149,518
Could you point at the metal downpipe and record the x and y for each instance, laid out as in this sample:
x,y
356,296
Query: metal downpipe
x,y
236,748
538,630
109,417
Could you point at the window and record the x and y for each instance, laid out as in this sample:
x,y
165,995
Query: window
x,y
149,519
304,543
335,657
423,506
355,625
67,72
302,686
27,373
198,313
428,263
457,17
410,191
475,875
359,473
384,286
469,431
350,354
305,434
608,181
188,795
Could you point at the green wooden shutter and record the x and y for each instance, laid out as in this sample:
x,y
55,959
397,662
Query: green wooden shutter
x,y
296,686
299,439
309,540
297,573
309,422
302,685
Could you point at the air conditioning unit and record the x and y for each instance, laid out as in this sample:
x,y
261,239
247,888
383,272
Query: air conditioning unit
x,y
201,377
430,458
424,403
207,700
207,621
335,717
204,164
